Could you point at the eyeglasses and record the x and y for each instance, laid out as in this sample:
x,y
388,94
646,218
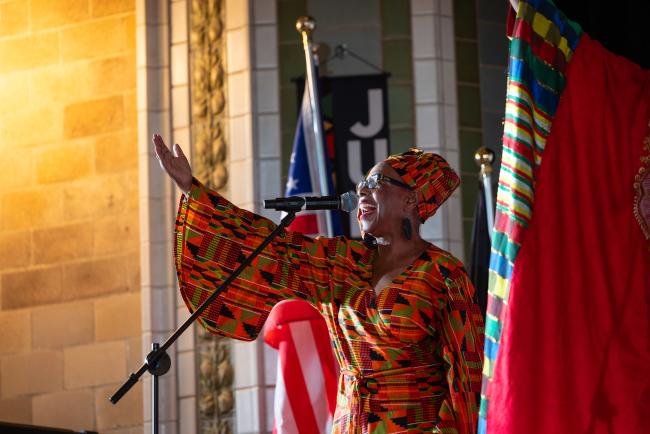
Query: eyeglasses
x,y
374,181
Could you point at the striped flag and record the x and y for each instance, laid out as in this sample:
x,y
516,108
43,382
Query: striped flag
x,y
306,385
305,389
303,176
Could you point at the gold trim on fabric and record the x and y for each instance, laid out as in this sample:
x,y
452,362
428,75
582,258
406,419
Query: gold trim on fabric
x,y
642,190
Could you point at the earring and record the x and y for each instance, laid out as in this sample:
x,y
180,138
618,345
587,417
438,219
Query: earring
x,y
407,230
369,241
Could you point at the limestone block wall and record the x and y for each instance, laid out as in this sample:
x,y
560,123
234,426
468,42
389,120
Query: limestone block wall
x,y
69,242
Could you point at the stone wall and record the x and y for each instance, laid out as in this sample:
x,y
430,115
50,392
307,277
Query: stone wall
x,y
69,243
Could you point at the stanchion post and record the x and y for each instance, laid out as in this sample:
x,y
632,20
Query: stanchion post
x,y
484,158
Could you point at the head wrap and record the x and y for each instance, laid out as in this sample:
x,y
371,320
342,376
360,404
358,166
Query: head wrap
x,y
429,175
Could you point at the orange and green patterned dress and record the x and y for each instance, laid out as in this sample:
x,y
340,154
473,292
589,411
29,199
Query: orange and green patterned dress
x,y
410,357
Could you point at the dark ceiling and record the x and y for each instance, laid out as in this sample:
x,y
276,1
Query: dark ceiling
x,y
622,26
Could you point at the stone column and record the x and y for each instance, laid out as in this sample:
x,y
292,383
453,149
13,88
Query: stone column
x,y
436,108
157,202
254,155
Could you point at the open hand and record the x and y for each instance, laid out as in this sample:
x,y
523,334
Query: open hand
x,y
175,164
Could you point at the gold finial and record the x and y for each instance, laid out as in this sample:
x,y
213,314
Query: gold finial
x,y
306,24
484,158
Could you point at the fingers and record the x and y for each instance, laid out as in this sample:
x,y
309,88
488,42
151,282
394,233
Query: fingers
x,y
159,146
158,141
178,151
173,162
163,154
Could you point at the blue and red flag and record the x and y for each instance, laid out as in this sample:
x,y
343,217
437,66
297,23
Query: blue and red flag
x,y
303,176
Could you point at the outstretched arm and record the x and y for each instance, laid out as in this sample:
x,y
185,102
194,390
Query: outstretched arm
x,y
175,164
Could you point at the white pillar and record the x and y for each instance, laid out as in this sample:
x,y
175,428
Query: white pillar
x,y
157,198
253,105
436,108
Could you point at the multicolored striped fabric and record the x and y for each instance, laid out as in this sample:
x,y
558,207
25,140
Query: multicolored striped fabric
x,y
541,47
410,356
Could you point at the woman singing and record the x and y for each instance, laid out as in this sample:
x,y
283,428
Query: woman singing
x,y
407,336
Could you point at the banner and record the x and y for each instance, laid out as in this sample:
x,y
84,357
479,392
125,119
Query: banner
x,y
567,347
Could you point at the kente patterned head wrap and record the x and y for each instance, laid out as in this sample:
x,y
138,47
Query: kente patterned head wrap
x,y
429,175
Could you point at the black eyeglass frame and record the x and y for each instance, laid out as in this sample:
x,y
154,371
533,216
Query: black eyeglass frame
x,y
373,182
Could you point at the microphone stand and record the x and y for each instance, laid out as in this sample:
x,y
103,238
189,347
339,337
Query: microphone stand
x,y
158,361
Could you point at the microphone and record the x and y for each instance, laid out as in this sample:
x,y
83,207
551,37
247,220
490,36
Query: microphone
x,y
346,202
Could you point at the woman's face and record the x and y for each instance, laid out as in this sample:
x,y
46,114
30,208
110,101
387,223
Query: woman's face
x,y
382,209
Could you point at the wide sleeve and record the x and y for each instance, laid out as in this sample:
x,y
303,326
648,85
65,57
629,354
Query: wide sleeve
x,y
461,332
213,237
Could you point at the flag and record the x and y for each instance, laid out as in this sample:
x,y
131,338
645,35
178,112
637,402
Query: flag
x,y
480,255
306,385
303,179
567,347
305,389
